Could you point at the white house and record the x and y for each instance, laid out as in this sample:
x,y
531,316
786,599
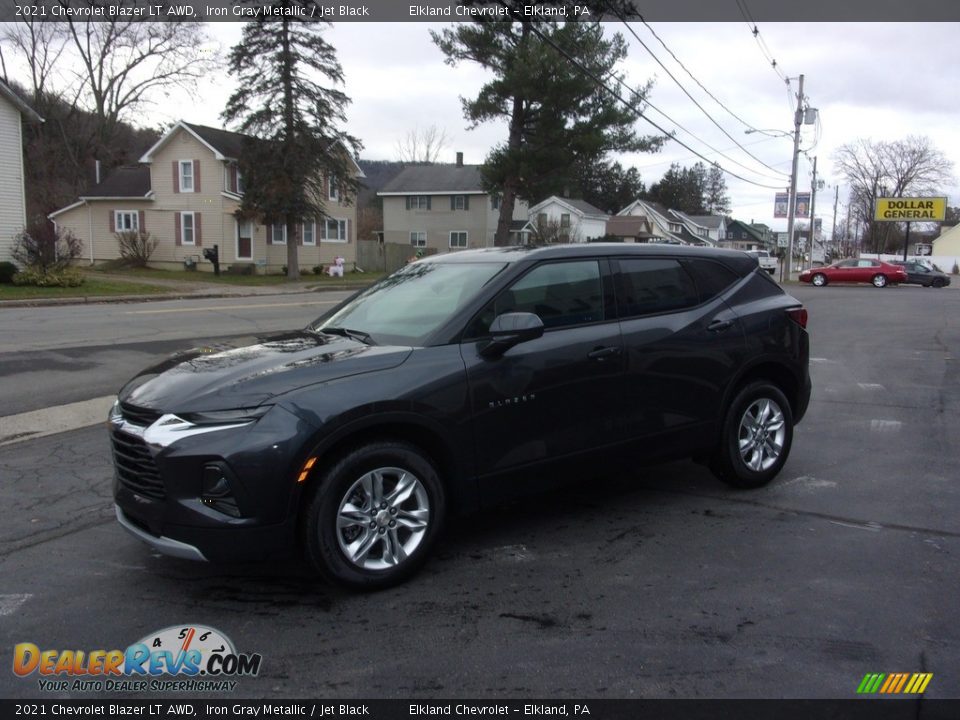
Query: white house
x,y
663,227
13,205
568,219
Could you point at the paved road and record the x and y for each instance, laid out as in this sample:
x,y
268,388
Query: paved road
x,y
56,355
660,583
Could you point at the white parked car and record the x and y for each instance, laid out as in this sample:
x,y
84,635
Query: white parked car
x,y
767,261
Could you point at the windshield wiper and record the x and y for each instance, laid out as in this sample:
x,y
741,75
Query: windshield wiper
x,y
346,332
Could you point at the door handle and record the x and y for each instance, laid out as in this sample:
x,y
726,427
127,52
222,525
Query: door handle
x,y
718,325
603,352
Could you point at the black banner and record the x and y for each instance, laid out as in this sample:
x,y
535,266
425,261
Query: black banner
x,y
857,709
453,11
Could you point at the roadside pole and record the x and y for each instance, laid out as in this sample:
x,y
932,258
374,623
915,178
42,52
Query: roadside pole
x,y
797,121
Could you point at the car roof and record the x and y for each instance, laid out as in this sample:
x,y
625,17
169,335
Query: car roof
x,y
574,250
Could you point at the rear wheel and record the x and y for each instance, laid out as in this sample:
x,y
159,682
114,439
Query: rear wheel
x,y
819,279
879,280
372,517
756,437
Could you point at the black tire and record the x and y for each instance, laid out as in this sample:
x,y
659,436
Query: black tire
x,y
937,283
879,280
340,488
819,279
729,464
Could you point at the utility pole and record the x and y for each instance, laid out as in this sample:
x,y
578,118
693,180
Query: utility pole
x,y
813,208
833,230
797,121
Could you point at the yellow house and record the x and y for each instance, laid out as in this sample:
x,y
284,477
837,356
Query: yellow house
x,y
948,244
186,192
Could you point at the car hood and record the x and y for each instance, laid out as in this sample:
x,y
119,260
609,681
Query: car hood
x,y
246,372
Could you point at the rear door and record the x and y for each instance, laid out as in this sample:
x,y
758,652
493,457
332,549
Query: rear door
x,y
680,342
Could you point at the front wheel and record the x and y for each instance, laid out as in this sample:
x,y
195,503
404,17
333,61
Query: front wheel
x,y
756,437
937,283
819,280
372,517
879,281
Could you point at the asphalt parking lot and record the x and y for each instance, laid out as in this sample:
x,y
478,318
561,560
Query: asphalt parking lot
x,y
657,583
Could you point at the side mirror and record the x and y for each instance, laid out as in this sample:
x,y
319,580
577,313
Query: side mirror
x,y
512,329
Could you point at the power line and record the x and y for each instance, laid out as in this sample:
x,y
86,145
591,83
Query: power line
x,y
761,43
641,115
686,92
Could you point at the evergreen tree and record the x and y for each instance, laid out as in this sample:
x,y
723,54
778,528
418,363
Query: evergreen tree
x,y
694,190
609,186
295,145
558,118
716,201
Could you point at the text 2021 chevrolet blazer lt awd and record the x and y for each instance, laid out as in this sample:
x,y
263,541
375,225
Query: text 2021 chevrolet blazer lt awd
x,y
455,381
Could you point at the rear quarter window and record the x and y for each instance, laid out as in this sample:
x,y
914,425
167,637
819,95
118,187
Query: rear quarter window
x,y
710,277
648,286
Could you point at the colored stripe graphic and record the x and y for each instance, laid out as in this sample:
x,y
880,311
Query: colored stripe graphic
x,y
894,683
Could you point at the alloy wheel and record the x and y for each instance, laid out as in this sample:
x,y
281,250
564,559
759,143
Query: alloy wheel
x,y
761,435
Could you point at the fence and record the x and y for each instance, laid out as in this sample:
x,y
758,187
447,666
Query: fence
x,y
374,256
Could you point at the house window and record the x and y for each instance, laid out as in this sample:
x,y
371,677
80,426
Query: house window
x,y
418,239
542,221
310,233
186,176
458,239
333,191
419,202
459,203
334,230
244,240
565,220
126,221
187,229
495,201
279,233
674,228
239,182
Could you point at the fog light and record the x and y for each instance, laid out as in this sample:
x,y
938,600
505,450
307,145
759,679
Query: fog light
x,y
216,491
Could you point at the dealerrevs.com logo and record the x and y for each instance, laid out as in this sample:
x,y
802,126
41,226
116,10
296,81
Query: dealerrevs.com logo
x,y
200,658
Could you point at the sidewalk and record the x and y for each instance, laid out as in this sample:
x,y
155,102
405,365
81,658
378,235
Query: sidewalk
x,y
179,290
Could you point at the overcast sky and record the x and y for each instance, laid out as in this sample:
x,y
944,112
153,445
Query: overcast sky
x,y
870,80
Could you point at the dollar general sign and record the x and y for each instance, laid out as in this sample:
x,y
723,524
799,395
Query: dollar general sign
x,y
910,209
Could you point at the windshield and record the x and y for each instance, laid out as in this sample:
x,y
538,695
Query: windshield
x,y
418,299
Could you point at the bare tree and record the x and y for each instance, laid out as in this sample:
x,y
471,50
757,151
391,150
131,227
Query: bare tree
x,y
552,230
422,145
41,44
912,166
122,64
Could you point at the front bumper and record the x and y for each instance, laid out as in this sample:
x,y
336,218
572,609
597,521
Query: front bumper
x,y
160,497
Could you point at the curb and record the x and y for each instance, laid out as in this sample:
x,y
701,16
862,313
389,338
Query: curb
x,y
105,299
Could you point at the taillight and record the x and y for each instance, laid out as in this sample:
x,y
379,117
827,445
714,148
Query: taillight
x,y
799,316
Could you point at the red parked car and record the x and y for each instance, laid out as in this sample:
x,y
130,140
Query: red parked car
x,y
863,270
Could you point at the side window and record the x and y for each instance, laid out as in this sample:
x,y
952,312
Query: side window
x,y
647,286
710,278
561,294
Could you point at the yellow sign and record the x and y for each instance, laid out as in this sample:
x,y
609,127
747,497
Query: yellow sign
x,y
903,209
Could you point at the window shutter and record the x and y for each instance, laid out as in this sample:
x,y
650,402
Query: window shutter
x,y
233,179
197,236
269,234
428,202
176,232
142,221
466,202
326,186
348,230
453,202
196,176
176,176
407,198
113,221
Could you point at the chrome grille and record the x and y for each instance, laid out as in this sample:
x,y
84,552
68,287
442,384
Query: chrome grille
x,y
136,469
143,417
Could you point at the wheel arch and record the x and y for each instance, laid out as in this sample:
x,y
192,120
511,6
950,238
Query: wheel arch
x,y
777,373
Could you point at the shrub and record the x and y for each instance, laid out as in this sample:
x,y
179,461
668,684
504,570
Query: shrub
x,y
64,277
43,247
240,269
956,268
318,269
136,247
7,271
305,271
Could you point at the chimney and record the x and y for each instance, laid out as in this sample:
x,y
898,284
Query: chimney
x,y
459,159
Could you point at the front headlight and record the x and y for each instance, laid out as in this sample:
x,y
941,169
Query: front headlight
x,y
226,417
